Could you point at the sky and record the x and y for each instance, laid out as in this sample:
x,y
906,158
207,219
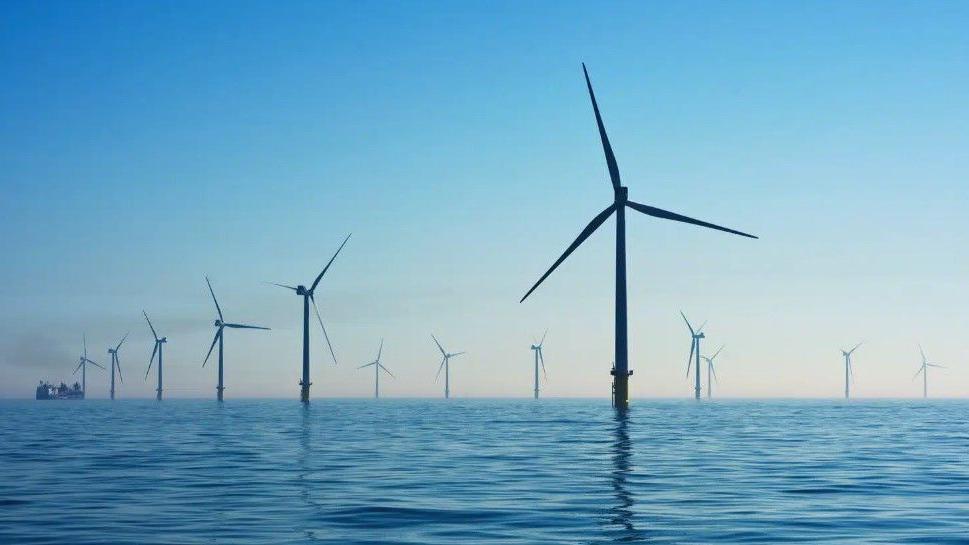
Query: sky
x,y
145,145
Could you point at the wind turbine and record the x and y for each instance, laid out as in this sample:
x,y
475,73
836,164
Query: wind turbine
x,y
116,363
849,372
445,365
537,348
307,295
620,202
82,365
221,324
158,349
711,371
377,367
695,337
924,369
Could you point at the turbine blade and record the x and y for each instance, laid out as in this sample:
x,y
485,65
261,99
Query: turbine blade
x,y
700,329
153,334
329,345
116,348
150,361
78,367
922,352
367,365
244,326
457,354
713,371
320,277
589,229
438,375
606,147
217,307
717,353
215,339
689,360
687,323
84,340
92,362
937,365
855,348
660,213
386,370
439,347
117,361
380,350
281,285
541,359
919,372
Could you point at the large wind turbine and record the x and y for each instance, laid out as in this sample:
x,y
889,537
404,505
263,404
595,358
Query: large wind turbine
x,y
377,367
445,364
849,372
220,324
82,365
695,337
924,369
711,371
308,298
537,348
620,202
159,343
116,363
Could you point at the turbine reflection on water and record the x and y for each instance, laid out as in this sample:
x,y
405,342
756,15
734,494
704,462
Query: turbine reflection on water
x,y
622,513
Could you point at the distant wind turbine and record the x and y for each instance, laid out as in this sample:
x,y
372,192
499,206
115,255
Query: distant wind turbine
x,y
159,344
924,370
116,363
377,367
711,371
620,202
849,372
308,298
537,348
82,365
695,337
220,324
445,364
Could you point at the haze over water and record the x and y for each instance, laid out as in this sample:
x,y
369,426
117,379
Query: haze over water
x,y
484,471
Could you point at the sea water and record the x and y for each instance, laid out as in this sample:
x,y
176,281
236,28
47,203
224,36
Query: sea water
x,y
483,471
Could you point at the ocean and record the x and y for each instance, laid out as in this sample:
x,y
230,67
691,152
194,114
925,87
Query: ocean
x,y
478,471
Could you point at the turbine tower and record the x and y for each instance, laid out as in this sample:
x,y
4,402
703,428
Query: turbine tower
x,y
924,370
445,364
116,363
849,372
82,365
711,371
377,367
159,343
308,297
537,348
221,324
695,337
621,372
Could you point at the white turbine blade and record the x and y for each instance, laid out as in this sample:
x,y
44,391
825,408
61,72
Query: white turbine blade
x,y
367,365
380,350
717,353
456,354
438,375
439,347
541,359
713,371
380,365
215,339
92,362
325,336
919,372
689,360
244,326
543,338
687,323
936,365
700,329
922,352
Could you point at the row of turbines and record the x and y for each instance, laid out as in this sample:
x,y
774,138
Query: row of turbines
x,y
620,370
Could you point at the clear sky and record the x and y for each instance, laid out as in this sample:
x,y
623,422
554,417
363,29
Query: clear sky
x,y
144,145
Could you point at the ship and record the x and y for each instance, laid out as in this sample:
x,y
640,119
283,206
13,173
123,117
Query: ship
x,y
46,390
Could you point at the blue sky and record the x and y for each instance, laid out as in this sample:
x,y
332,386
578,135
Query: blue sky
x,y
145,145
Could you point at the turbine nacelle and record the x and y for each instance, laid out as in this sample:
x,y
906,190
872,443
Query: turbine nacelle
x,y
622,195
301,290
162,340
218,323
